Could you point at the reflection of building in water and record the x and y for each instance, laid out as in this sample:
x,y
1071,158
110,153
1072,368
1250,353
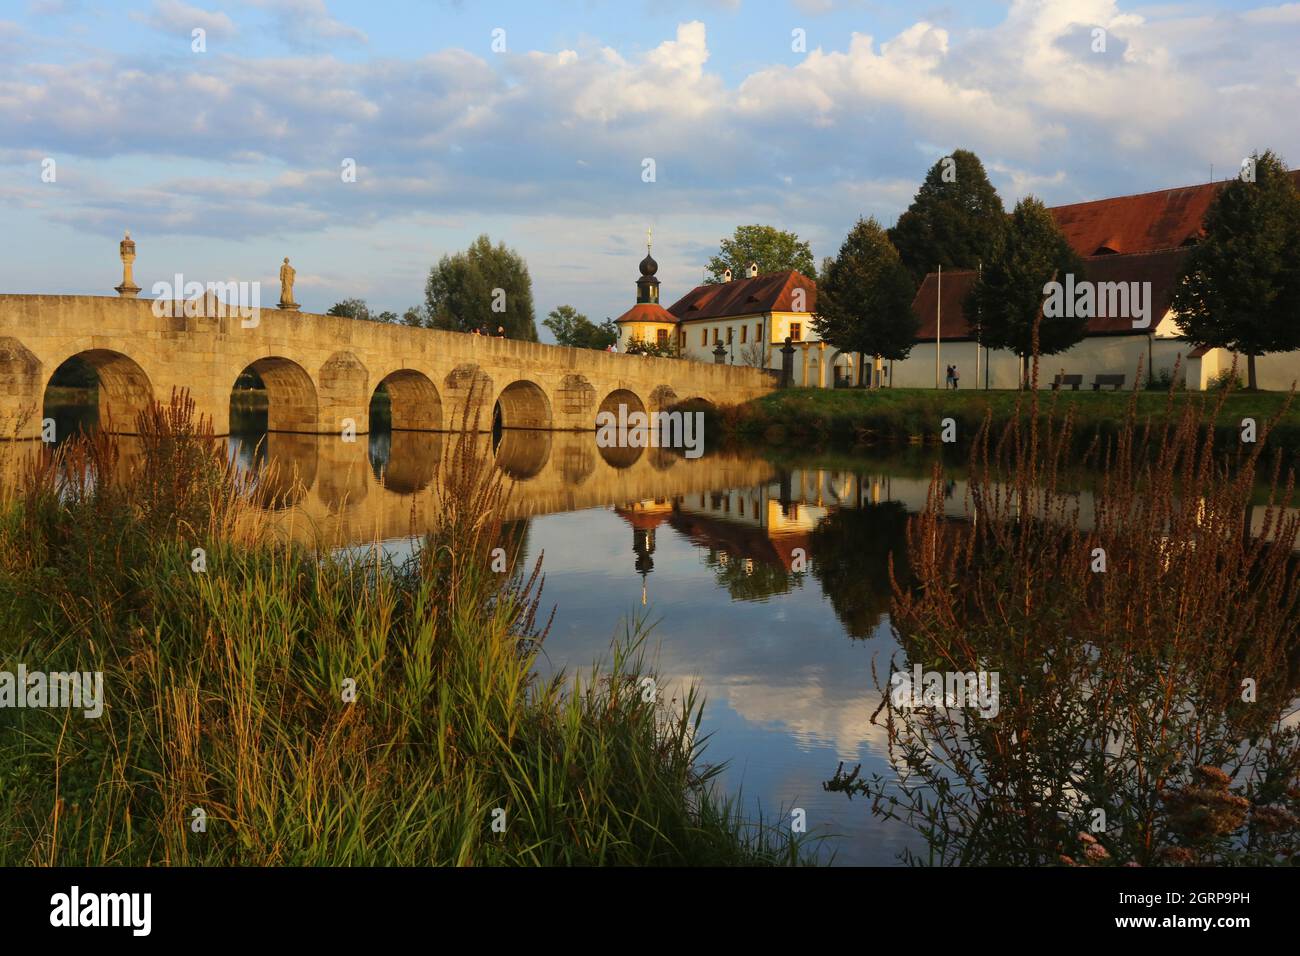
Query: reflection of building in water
x,y
645,517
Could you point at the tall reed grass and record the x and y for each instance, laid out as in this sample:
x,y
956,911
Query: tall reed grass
x,y
317,709
1147,710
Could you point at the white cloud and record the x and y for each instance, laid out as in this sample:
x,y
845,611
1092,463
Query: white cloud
x,y
240,146
173,16
308,23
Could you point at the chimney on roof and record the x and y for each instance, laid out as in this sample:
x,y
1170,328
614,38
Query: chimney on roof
x,y
752,271
726,275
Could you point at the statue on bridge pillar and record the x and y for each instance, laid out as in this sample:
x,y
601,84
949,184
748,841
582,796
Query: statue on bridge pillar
x,y
126,248
287,273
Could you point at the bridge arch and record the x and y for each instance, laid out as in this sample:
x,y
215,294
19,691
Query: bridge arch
x,y
620,457
124,388
621,396
405,461
523,453
413,401
290,395
523,404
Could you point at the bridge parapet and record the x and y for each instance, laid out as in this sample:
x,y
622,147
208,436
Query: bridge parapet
x,y
321,371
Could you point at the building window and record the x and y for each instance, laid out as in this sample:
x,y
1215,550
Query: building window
x,y
796,331
744,330
715,336
661,338
758,332
730,331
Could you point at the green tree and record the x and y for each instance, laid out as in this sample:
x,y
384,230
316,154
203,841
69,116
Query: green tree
x,y
956,220
570,327
773,249
482,287
1240,289
351,309
1008,296
414,316
864,303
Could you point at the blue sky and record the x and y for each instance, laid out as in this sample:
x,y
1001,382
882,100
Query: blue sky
x,y
221,162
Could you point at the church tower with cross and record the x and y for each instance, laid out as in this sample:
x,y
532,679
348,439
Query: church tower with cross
x,y
647,326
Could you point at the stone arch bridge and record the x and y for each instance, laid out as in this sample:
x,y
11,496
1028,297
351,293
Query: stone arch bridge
x,y
321,370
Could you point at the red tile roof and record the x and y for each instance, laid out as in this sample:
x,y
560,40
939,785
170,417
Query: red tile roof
x,y
956,285
772,292
1147,222
1161,269
647,312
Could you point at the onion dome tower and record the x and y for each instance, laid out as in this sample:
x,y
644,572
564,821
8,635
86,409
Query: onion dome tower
x,y
647,321
647,287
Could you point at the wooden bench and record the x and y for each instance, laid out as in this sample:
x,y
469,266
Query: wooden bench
x,y
1115,380
1074,381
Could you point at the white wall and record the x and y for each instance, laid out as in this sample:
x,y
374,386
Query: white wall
x,y
1275,372
1098,355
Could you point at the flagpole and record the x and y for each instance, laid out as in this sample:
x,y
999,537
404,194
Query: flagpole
x,y
938,323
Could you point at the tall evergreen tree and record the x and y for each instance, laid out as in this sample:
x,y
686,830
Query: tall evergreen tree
x,y
956,220
1009,294
864,303
482,287
1240,289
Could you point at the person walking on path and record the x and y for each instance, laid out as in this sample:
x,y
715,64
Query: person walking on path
x,y
956,377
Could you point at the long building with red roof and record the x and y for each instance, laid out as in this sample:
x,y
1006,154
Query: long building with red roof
x,y
1141,239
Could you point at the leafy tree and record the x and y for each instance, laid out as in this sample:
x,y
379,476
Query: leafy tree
x,y
414,316
351,309
753,581
864,303
482,287
1008,296
773,249
956,220
358,309
570,327
1240,289
852,549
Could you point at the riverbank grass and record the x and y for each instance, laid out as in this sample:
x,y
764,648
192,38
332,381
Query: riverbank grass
x,y
269,704
916,415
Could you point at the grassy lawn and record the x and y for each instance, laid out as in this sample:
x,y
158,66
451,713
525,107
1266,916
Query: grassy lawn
x,y
901,415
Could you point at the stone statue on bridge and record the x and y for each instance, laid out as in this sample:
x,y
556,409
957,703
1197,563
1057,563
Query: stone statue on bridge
x,y
287,274
126,250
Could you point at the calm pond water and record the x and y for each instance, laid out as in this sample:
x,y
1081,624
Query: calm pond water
x,y
765,582
767,587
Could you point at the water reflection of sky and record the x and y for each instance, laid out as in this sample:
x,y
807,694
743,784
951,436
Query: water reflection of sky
x,y
789,694
704,550
782,657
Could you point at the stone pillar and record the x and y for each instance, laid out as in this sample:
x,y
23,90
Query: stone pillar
x,y
787,363
22,394
343,396
821,364
719,354
803,371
